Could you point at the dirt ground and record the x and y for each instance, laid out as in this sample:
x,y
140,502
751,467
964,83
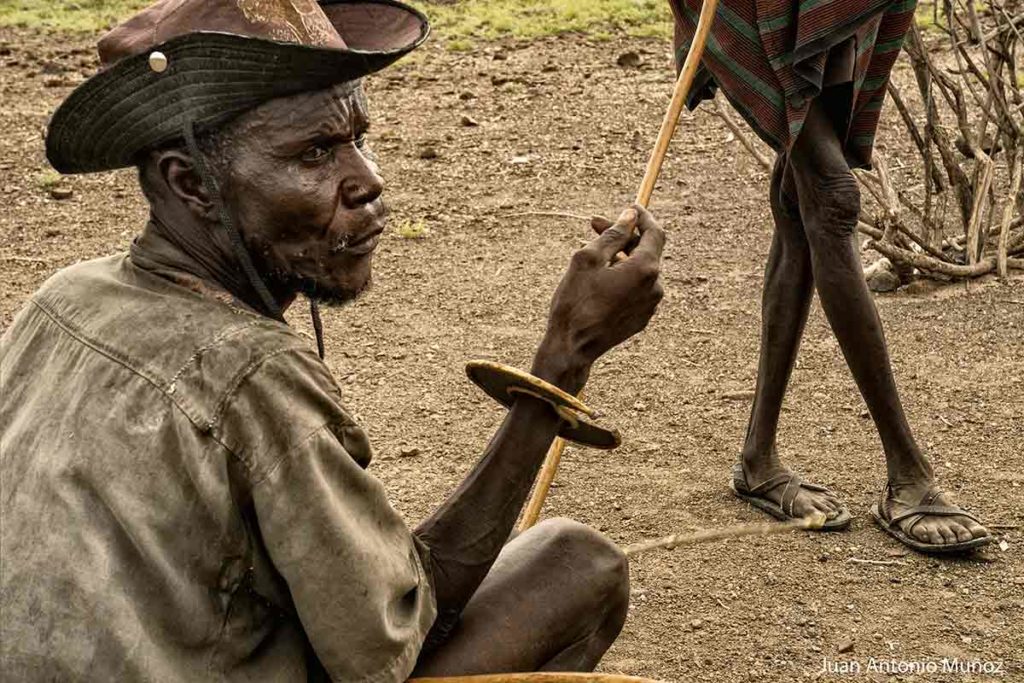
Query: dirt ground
x,y
563,128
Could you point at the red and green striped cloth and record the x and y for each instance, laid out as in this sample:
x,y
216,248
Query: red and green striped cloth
x,y
768,57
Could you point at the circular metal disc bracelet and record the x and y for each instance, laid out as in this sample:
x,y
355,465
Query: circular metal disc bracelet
x,y
504,383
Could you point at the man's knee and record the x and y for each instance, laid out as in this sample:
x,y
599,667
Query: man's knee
x,y
783,199
593,555
830,206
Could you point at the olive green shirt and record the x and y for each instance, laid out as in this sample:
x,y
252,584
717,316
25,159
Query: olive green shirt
x,y
185,499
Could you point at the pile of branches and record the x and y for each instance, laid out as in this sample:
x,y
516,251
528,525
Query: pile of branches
x,y
965,115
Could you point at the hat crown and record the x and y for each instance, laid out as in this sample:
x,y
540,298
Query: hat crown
x,y
302,22
198,63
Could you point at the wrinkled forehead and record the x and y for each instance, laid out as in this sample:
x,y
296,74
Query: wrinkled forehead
x,y
339,110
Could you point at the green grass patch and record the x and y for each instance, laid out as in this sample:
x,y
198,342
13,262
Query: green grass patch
x,y
490,19
459,45
459,25
47,180
932,15
72,15
412,230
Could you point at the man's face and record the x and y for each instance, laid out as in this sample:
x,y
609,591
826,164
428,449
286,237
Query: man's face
x,y
306,193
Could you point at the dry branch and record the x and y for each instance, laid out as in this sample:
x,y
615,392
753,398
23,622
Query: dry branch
x,y
933,265
1002,257
723,113
25,259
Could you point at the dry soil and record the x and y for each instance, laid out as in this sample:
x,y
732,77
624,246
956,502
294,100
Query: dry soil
x,y
562,127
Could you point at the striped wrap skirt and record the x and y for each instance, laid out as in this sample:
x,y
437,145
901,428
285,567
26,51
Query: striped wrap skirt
x,y
768,57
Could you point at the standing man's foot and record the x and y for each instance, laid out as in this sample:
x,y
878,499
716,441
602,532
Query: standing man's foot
x,y
923,517
784,495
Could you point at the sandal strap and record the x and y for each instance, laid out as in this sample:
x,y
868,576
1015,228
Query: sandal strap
x,y
739,478
773,482
888,497
924,508
789,494
792,482
931,511
929,497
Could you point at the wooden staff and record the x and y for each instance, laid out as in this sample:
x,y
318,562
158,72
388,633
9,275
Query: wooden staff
x,y
643,197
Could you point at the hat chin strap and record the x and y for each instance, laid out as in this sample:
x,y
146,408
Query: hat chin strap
x,y
270,304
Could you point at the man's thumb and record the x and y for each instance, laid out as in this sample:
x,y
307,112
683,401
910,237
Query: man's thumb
x,y
599,224
614,238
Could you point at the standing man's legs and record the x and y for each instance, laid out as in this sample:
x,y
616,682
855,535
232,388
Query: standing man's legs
x,y
788,288
555,600
786,300
829,199
816,205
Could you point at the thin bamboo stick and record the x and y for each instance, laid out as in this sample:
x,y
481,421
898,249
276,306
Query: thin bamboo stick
x,y
768,529
643,197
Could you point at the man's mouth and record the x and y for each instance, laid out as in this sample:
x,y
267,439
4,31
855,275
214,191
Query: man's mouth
x,y
361,245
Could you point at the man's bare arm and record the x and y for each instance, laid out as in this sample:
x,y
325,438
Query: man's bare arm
x,y
599,304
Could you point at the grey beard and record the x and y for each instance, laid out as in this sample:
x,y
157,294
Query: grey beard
x,y
329,296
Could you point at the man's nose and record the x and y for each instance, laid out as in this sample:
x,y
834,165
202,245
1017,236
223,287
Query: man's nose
x,y
362,184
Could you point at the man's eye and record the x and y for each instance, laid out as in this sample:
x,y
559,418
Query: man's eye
x,y
315,153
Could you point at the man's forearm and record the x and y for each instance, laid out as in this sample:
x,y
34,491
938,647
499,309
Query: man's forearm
x,y
468,531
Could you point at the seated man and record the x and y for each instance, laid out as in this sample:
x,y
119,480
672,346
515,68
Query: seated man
x,y
184,497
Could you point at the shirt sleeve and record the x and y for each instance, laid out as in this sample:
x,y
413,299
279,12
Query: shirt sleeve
x,y
353,568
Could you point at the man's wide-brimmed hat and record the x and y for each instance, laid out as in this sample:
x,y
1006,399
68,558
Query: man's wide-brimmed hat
x,y
202,62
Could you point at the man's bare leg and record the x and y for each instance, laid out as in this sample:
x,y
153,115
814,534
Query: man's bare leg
x,y
555,600
786,300
829,206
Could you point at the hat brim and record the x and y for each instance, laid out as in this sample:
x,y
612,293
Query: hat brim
x,y
211,77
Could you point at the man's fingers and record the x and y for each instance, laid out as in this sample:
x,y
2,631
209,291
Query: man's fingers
x,y
652,238
600,224
615,237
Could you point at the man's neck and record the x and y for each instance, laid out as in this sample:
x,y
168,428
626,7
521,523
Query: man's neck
x,y
198,256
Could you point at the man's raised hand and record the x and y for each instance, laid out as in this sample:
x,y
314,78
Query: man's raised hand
x,y
602,300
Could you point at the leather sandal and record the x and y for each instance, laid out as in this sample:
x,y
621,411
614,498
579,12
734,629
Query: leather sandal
x,y
784,510
893,524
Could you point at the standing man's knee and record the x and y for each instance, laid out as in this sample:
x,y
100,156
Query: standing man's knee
x,y
828,193
830,205
783,198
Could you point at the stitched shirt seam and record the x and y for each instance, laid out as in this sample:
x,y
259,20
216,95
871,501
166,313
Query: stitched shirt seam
x,y
111,355
247,371
288,454
216,341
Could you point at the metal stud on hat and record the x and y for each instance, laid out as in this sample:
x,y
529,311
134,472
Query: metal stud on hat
x,y
158,61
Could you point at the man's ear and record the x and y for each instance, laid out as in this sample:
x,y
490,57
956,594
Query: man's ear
x,y
179,173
